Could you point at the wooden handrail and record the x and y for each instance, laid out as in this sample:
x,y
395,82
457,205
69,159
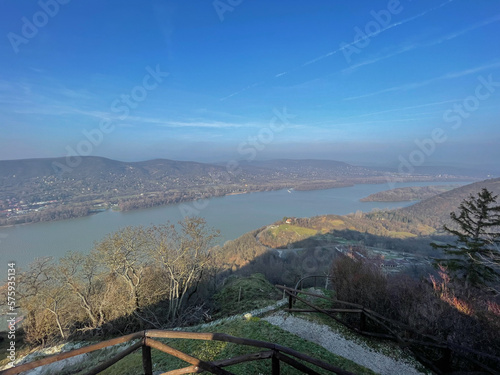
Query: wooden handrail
x,y
275,352
224,362
301,281
354,311
72,353
103,366
243,341
292,362
244,358
207,366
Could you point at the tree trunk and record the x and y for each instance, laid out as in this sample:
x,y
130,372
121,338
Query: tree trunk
x,y
58,321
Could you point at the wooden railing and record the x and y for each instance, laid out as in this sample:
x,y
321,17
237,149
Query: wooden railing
x,y
315,278
146,340
401,333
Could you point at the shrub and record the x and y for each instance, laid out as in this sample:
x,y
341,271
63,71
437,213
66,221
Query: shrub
x,y
359,281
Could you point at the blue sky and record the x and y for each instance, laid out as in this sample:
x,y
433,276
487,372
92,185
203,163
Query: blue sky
x,y
366,81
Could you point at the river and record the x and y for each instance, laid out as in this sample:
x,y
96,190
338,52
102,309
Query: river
x,y
233,215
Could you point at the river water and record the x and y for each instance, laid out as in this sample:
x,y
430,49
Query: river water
x,y
233,215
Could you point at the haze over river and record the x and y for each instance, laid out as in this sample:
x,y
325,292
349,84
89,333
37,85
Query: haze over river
x,y
234,215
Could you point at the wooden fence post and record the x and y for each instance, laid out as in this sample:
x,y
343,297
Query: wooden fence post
x,y
362,320
147,362
445,361
275,364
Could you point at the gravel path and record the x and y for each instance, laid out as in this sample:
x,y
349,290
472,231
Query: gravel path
x,y
337,344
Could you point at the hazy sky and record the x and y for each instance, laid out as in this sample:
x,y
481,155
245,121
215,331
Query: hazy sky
x,y
360,81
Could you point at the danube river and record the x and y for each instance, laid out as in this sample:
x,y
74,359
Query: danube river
x,y
233,215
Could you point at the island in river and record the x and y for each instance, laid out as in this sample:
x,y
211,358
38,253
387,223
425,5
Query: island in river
x,y
408,194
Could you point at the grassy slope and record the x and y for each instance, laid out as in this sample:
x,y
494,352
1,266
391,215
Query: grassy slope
x,y
243,294
288,228
320,227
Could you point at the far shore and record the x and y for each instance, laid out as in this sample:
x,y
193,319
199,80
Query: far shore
x,y
308,188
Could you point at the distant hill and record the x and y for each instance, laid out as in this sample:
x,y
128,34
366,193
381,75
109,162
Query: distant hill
x,y
93,167
481,174
58,188
435,211
97,167
294,164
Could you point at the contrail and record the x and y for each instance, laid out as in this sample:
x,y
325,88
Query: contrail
x,y
342,48
242,90
414,85
439,40
377,33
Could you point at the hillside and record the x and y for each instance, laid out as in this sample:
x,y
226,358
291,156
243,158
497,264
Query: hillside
x,y
34,190
409,230
259,315
435,211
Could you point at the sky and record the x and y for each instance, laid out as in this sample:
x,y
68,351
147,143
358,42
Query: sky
x,y
367,82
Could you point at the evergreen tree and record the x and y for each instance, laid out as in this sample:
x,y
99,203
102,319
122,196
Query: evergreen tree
x,y
477,231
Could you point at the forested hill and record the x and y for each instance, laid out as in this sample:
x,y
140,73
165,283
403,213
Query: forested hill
x,y
435,211
88,178
34,190
97,167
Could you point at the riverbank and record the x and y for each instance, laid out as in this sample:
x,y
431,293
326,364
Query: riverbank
x,y
151,200
233,215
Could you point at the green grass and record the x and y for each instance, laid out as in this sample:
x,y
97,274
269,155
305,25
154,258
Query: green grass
x,y
402,235
212,350
288,228
244,294
336,223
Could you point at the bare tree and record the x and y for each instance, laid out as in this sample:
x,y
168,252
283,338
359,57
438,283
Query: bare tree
x,y
123,253
128,277
185,255
83,275
42,291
